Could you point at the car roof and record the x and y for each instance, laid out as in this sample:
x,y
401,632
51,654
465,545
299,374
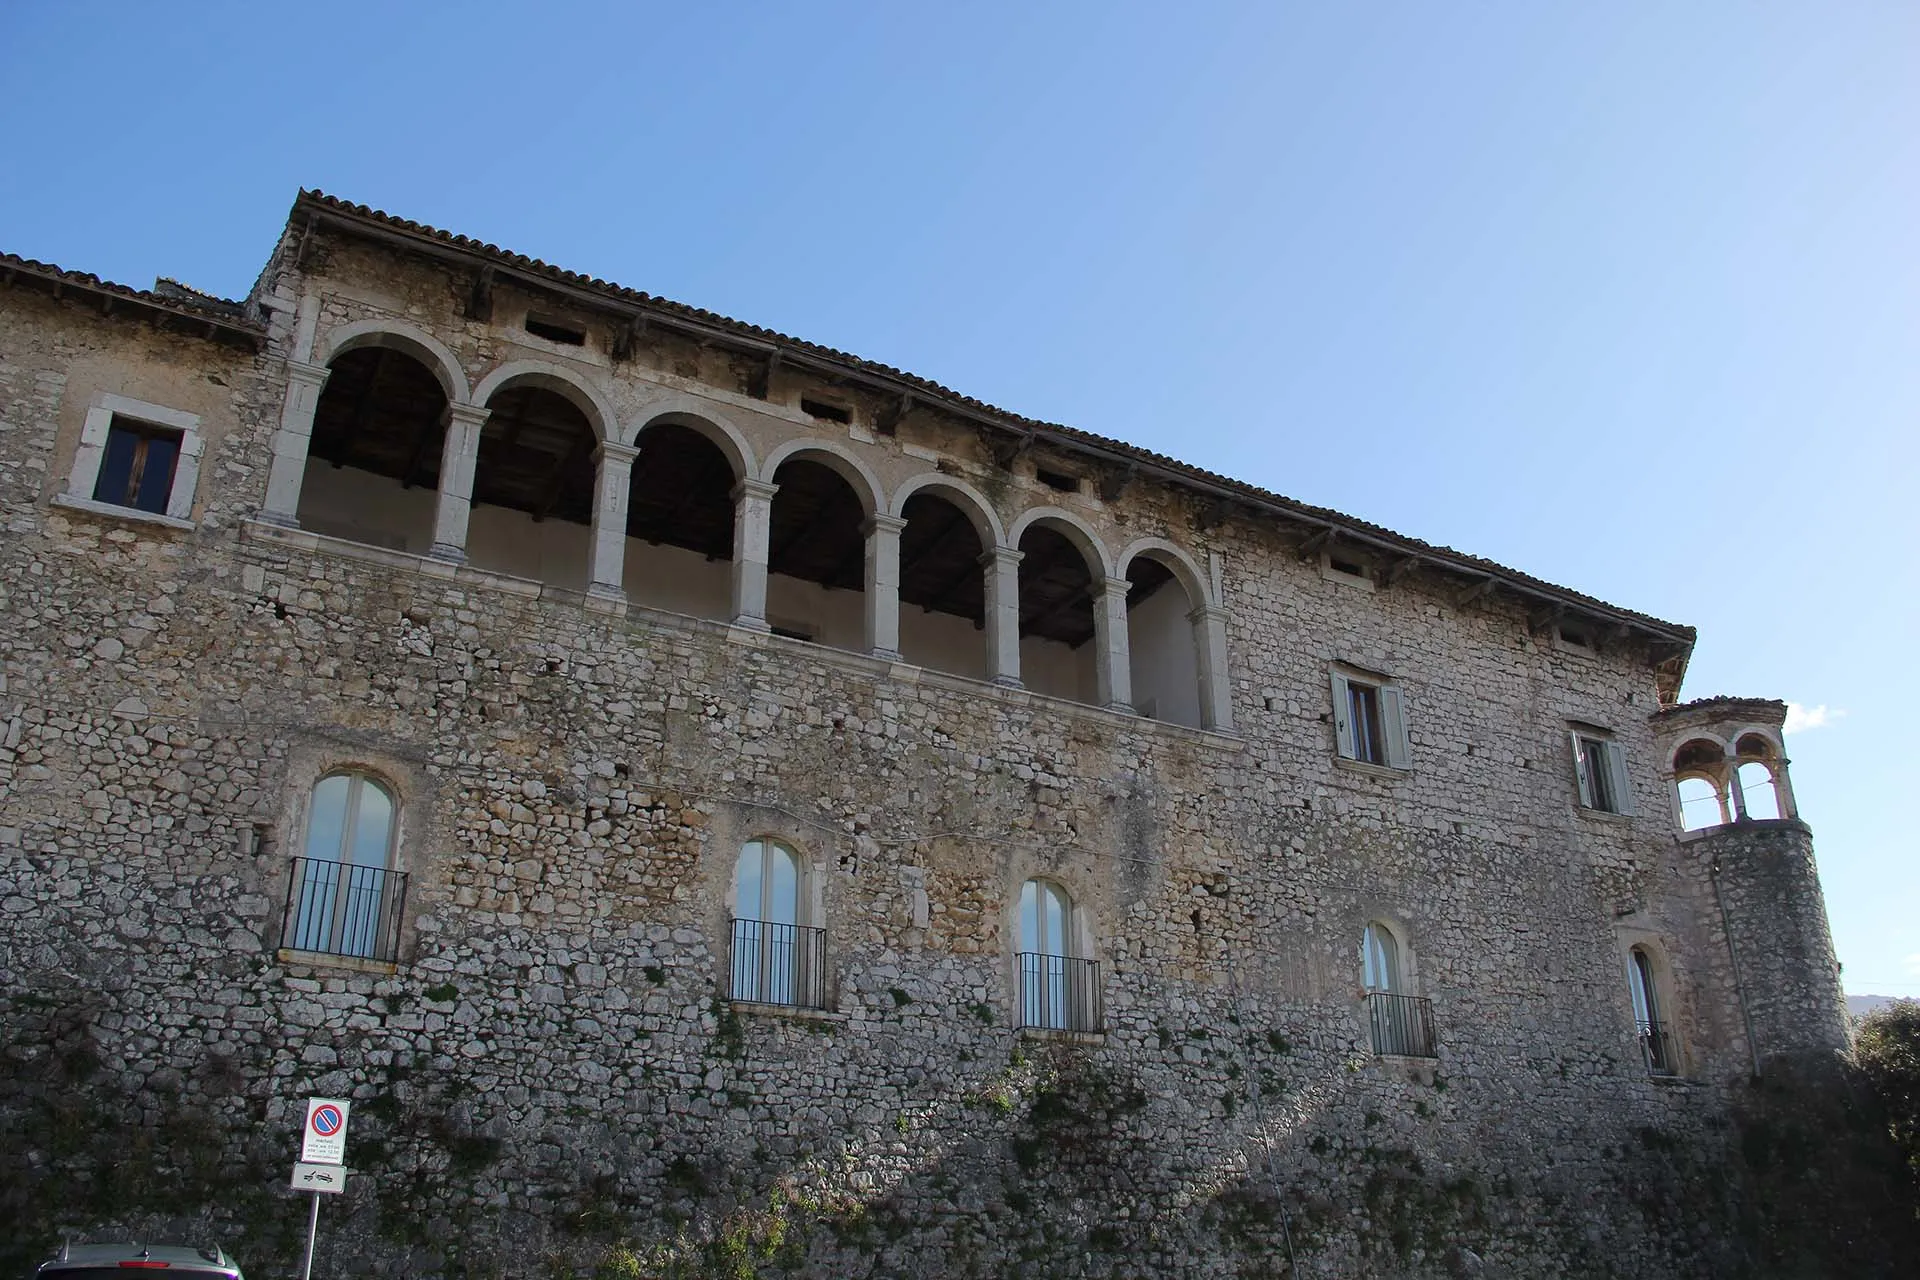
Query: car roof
x,y
74,1256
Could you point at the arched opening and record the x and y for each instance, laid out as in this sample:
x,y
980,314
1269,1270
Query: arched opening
x,y
1059,988
680,523
1757,790
1700,778
1161,642
1399,1022
776,957
346,897
533,485
1056,615
1656,1039
1701,804
816,556
942,587
373,462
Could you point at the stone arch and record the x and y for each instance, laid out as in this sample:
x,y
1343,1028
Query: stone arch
x,y
986,522
401,336
1177,561
1076,530
558,379
696,415
836,458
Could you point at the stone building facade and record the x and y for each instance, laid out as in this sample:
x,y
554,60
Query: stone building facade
x,y
697,789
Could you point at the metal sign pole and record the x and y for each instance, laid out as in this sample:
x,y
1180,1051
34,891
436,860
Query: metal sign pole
x,y
313,1228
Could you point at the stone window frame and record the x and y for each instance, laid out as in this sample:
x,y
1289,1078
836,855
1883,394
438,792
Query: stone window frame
x,y
1617,787
87,459
1666,1005
306,771
1396,747
810,912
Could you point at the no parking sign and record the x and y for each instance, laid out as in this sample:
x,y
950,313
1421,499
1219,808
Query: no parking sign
x,y
324,1140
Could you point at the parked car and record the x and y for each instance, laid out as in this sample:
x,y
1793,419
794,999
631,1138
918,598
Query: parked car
x,y
114,1261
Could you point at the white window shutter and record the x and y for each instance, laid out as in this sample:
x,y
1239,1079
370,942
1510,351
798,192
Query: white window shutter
x,y
1393,726
1617,774
1580,772
1342,715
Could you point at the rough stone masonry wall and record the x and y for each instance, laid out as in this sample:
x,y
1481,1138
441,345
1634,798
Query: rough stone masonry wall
x,y
552,1066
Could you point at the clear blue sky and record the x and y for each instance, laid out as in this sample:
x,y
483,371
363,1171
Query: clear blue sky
x,y
1626,295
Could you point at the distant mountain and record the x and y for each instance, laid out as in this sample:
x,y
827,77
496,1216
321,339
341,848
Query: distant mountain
x,y
1861,1006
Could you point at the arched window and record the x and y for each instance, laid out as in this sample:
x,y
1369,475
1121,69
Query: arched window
x,y
347,897
1401,1023
1058,989
1701,805
1656,1040
1757,791
777,957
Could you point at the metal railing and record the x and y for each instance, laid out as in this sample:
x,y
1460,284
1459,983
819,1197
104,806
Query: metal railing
x,y
1401,1025
778,964
1059,993
344,910
1656,1047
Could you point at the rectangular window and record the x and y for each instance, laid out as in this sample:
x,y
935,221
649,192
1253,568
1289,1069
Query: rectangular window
x,y
136,467
826,412
1370,721
1600,768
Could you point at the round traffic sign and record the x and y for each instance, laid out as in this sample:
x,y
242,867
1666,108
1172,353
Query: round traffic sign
x,y
327,1120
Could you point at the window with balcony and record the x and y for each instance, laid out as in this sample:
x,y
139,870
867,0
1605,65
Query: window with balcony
x,y
1399,1022
776,956
1058,986
344,897
1650,1028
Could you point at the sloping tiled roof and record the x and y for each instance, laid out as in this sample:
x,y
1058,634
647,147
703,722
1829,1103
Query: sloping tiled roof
x,y
312,206
169,303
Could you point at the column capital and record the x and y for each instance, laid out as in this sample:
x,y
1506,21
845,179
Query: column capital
x,y
1208,613
312,375
1113,586
618,454
1006,557
883,524
761,489
469,415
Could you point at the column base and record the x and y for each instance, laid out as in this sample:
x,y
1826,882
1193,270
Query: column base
x,y
1008,682
448,552
885,655
279,518
747,622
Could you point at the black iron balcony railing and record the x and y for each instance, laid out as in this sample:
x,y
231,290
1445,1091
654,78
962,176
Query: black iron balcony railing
x,y
1656,1047
344,910
1401,1025
1059,993
779,964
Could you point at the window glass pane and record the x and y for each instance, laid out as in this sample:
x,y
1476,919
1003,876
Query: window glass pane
x,y
327,822
373,824
747,881
156,476
783,886
116,467
1593,755
1380,962
1030,916
1642,982
1053,924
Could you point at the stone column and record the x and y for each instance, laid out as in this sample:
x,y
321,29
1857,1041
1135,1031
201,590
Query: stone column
x,y
1210,648
1783,789
1113,659
1001,567
289,468
611,485
457,459
883,585
1734,792
752,523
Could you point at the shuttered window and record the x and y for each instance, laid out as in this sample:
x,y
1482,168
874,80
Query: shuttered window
x,y
1370,721
1600,768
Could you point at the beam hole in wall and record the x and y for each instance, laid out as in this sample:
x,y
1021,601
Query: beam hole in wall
x,y
533,488
1161,642
373,464
941,574
817,554
680,523
826,412
555,331
1056,615
1058,481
